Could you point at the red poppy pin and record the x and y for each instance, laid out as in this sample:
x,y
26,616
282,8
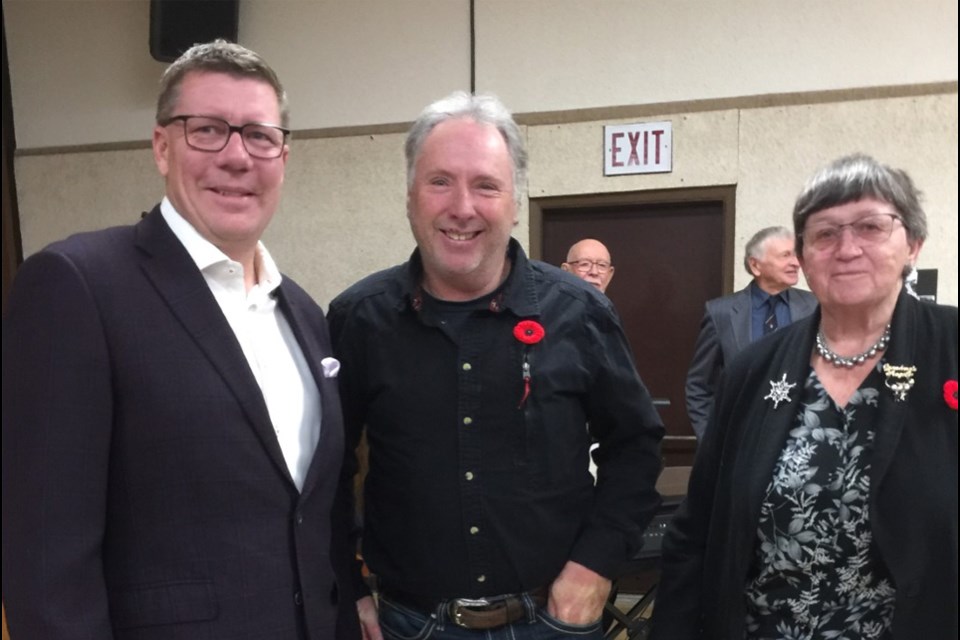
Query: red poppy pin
x,y
529,332
950,393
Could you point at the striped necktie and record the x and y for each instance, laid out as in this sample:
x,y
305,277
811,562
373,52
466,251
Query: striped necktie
x,y
770,322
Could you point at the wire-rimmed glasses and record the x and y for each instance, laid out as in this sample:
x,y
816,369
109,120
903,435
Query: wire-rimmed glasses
x,y
872,228
584,265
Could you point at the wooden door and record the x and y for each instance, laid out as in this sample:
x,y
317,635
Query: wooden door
x,y
669,259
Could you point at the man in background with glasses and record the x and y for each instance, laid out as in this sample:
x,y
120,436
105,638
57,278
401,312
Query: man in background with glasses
x,y
172,433
589,259
732,322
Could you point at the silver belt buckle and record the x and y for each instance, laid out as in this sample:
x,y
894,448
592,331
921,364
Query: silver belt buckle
x,y
465,603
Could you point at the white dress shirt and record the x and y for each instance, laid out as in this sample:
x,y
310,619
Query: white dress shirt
x,y
272,351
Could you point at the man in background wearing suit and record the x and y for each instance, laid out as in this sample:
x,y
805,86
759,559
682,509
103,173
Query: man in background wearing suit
x,y
172,432
734,321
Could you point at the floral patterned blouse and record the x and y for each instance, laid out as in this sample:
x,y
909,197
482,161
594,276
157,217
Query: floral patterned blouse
x,y
816,573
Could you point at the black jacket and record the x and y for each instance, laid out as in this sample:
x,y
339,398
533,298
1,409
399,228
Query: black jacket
x,y
913,483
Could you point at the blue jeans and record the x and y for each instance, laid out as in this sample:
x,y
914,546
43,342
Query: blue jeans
x,y
400,623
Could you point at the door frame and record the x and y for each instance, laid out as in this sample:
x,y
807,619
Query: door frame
x,y
727,194
678,450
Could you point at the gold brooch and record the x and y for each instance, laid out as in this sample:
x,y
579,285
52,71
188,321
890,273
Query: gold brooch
x,y
899,380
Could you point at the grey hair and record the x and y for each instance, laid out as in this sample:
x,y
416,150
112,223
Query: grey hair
x,y
218,56
853,178
482,108
755,248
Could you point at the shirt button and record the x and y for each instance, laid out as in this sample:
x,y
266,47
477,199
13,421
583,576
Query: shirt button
x,y
467,366
299,518
298,598
481,578
468,475
474,530
468,420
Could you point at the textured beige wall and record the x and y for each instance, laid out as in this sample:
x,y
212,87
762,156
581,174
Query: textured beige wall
x,y
574,54
567,159
343,212
781,147
81,72
357,62
63,193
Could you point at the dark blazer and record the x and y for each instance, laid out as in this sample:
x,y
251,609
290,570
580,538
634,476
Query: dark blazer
x,y
913,483
145,494
725,332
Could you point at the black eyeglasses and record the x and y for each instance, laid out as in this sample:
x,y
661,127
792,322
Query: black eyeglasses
x,y
870,229
205,133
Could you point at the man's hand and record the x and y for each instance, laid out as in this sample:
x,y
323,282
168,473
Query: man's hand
x,y
578,594
369,625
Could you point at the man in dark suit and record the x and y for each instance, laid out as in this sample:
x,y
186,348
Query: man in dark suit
x,y
732,322
172,432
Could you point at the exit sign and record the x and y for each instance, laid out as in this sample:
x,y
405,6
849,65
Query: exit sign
x,y
637,148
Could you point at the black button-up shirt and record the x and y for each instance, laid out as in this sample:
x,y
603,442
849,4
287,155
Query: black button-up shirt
x,y
473,490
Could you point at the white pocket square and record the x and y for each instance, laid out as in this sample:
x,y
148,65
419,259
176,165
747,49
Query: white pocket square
x,y
331,367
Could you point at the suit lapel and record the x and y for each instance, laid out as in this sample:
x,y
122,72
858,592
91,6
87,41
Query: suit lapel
x,y
313,351
790,363
800,306
891,414
178,281
740,319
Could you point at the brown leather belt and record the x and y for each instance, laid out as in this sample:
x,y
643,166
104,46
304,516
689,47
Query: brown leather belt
x,y
472,613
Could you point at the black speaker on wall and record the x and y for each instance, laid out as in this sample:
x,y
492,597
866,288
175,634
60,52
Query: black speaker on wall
x,y
177,25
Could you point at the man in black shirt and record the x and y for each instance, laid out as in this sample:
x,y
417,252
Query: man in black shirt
x,y
475,372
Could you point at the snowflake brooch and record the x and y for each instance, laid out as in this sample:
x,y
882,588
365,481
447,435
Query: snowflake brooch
x,y
779,391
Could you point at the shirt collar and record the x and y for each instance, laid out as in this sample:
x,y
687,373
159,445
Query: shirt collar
x,y
518,293
205,254
759,297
